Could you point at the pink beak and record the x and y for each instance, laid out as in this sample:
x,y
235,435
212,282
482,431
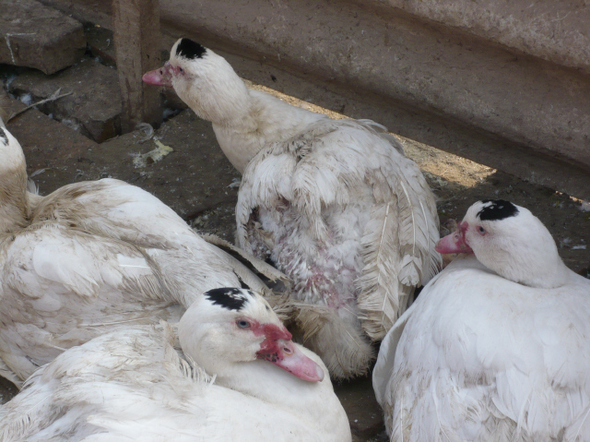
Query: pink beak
x,y
286,355
159,77
295,362
454,242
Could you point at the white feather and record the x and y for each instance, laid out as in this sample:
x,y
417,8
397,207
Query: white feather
x,y
480,356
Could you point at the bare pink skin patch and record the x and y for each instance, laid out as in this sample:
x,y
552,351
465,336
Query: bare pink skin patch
x,y
161,76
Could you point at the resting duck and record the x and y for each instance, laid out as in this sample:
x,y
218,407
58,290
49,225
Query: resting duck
x,y
240,378
497,346
334,204
89,257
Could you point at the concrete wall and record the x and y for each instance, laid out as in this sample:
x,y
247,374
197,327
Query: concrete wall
x,y
504,83
557,31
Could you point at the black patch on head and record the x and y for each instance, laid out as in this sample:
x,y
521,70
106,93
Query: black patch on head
x,y
190,49
229,298
496,210
3,136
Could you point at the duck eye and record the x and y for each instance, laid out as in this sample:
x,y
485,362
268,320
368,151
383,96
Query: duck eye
x,y
242,323
481,230
181,70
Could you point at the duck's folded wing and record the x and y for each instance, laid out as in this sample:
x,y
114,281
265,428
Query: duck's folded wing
x,y
383,369
115,209
62,287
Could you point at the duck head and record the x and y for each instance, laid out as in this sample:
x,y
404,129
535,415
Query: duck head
x,y
229,326
509,240
205,81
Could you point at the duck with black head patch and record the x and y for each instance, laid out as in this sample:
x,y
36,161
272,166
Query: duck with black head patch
x,y
92,257
334,204
504,340
239,377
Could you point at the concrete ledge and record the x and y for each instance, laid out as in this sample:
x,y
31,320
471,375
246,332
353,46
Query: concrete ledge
x,y
522,99
554,31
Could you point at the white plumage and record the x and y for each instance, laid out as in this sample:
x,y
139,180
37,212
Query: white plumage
x,y
135,386
90,257
333,203
484,354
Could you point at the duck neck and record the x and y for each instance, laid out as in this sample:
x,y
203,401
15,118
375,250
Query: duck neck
x,y
228,108
14,210
539,268
275,386
14,203
222,98
264,121
239,146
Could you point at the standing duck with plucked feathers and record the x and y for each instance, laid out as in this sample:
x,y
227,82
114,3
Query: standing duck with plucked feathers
x,y
334,204
91,257
497,346
239,377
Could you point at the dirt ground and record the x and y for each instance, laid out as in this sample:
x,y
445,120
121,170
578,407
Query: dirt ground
x,y
182,165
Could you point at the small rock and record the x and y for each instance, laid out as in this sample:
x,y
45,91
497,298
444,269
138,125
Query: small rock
x,y
37,36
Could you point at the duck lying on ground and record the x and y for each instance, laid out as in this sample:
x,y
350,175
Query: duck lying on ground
x,y
90,257
497,346
241,378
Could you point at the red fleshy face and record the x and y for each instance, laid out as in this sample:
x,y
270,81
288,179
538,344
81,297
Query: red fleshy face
x,y
274,332
278,349
269,349
454,242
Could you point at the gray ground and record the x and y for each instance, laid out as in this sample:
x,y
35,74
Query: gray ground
x,y
196,180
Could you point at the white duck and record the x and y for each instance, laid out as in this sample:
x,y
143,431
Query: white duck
x,y
89,257
241,379
497,346
334,204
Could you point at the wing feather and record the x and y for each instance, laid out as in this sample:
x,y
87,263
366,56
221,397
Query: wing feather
x,y
55,280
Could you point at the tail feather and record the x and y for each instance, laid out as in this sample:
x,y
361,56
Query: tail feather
x,y
381,299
